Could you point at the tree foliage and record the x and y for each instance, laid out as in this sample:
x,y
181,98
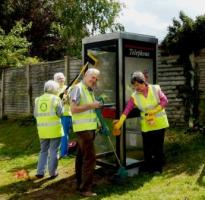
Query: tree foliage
x,y
185,36
80,18
14,48
58,26
39,12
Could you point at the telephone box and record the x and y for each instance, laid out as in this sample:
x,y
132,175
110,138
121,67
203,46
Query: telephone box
x,y
119,55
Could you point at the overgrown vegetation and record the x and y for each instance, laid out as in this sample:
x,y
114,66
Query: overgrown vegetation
x,y
183,176
186,37
58,26
14,47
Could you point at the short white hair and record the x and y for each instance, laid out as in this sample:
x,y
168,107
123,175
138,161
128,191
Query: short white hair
x,y
58,75
92,71
137,76
51,87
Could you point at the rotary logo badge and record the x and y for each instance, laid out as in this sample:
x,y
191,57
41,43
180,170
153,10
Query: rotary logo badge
x,y
43,107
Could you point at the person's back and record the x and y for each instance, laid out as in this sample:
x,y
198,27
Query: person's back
x,y
48,123
47,111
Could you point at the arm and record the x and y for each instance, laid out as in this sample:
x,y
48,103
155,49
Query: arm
x,y
163,101
75,100
130,105
59,108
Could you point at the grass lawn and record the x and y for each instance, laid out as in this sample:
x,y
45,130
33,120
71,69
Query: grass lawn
x,y
183,177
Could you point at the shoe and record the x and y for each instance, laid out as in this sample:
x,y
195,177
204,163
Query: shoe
x,y
88,194
53,177
39,176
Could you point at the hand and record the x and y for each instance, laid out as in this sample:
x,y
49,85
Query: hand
x,y
96,104
117,124
154,110
116,132
150,119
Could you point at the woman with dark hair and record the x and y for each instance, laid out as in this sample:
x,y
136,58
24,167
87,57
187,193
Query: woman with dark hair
x,y
151,101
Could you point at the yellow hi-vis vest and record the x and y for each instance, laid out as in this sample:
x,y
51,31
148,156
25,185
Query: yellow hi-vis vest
x,y
146,103
48,123
86,120
66,107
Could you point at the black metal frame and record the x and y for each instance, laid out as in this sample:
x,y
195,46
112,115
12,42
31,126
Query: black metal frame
x,y
116,41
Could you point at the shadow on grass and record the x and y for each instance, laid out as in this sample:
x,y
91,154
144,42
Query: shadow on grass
x,y
66,188
184,153
201,177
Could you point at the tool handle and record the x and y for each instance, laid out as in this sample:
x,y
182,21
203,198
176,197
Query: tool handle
x,y
113,148
74,81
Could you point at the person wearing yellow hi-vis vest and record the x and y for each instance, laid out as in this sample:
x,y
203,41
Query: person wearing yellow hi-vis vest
x,y
47,111
151,101
66,117
85,123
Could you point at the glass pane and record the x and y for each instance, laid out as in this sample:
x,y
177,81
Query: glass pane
x,y
106,88
133,133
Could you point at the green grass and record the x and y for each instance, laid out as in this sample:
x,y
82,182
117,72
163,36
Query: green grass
x,y
183,177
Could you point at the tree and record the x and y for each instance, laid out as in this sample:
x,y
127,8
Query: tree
x,y
180,37
186,37
14,48
58,26
81,18
40,13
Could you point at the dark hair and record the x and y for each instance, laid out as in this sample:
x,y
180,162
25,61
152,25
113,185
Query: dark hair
x,y
136,79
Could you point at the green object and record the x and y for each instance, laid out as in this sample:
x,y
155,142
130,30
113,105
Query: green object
x,y
122,172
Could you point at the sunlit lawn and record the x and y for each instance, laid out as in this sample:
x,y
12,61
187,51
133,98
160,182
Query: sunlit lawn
x,y
183,177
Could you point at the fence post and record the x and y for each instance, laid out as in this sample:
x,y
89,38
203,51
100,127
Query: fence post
x,y
67,68
28,88
2,94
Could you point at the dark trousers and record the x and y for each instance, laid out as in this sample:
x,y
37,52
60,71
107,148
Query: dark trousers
x,y
153,142
85,160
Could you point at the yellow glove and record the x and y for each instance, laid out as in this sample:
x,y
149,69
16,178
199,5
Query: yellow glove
x,y
116,132
154,110
118,124
150,119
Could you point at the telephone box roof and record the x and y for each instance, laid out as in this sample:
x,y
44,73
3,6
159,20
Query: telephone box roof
x,y
120,35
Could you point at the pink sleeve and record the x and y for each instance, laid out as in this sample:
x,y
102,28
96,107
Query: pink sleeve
x,y
130,105
163,99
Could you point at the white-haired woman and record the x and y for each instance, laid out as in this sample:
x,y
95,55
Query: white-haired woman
x,y
48,109
151,101
66,117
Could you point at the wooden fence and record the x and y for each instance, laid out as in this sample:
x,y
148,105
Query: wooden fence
x,y
20,87
170,76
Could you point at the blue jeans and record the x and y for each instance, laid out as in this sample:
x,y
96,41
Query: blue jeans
x,y
48,153
66,122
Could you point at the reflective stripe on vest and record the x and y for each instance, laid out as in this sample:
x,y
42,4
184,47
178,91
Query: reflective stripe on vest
x,y
48,123
147,103
86,120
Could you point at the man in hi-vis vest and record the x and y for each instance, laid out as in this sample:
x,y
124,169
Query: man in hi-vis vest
x,y
48,109
84,121
151,101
